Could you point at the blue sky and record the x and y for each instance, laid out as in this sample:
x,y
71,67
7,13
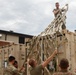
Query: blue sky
x,y
33,16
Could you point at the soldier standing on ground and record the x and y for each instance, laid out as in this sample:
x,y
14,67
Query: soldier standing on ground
x,y
21,70
10,69
64,64
37,69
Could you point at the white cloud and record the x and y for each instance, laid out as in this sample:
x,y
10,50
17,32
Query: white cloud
x,y
32,16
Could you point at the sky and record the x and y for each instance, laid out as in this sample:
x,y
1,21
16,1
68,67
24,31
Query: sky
x,y
33,16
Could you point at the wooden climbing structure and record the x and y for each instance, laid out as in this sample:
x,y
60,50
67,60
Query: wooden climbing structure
x,y
43,45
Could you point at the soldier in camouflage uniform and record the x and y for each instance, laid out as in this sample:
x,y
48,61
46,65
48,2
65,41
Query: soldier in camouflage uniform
x,y
64,64
21,70
10,69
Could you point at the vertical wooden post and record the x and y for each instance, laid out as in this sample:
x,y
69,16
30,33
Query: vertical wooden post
x,y
42,51
56,47
26,53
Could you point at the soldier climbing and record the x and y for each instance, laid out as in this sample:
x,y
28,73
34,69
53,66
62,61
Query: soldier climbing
x,y
59,23
59,11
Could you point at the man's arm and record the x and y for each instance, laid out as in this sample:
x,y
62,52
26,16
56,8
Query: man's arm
x,y
16,72
49,59
55,11
64,8
21,69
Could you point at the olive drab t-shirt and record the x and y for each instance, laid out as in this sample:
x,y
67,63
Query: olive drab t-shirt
x,y
59,11
63,73
36,70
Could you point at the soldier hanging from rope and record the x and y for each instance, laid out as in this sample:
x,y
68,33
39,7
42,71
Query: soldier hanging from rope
x,y
58,11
